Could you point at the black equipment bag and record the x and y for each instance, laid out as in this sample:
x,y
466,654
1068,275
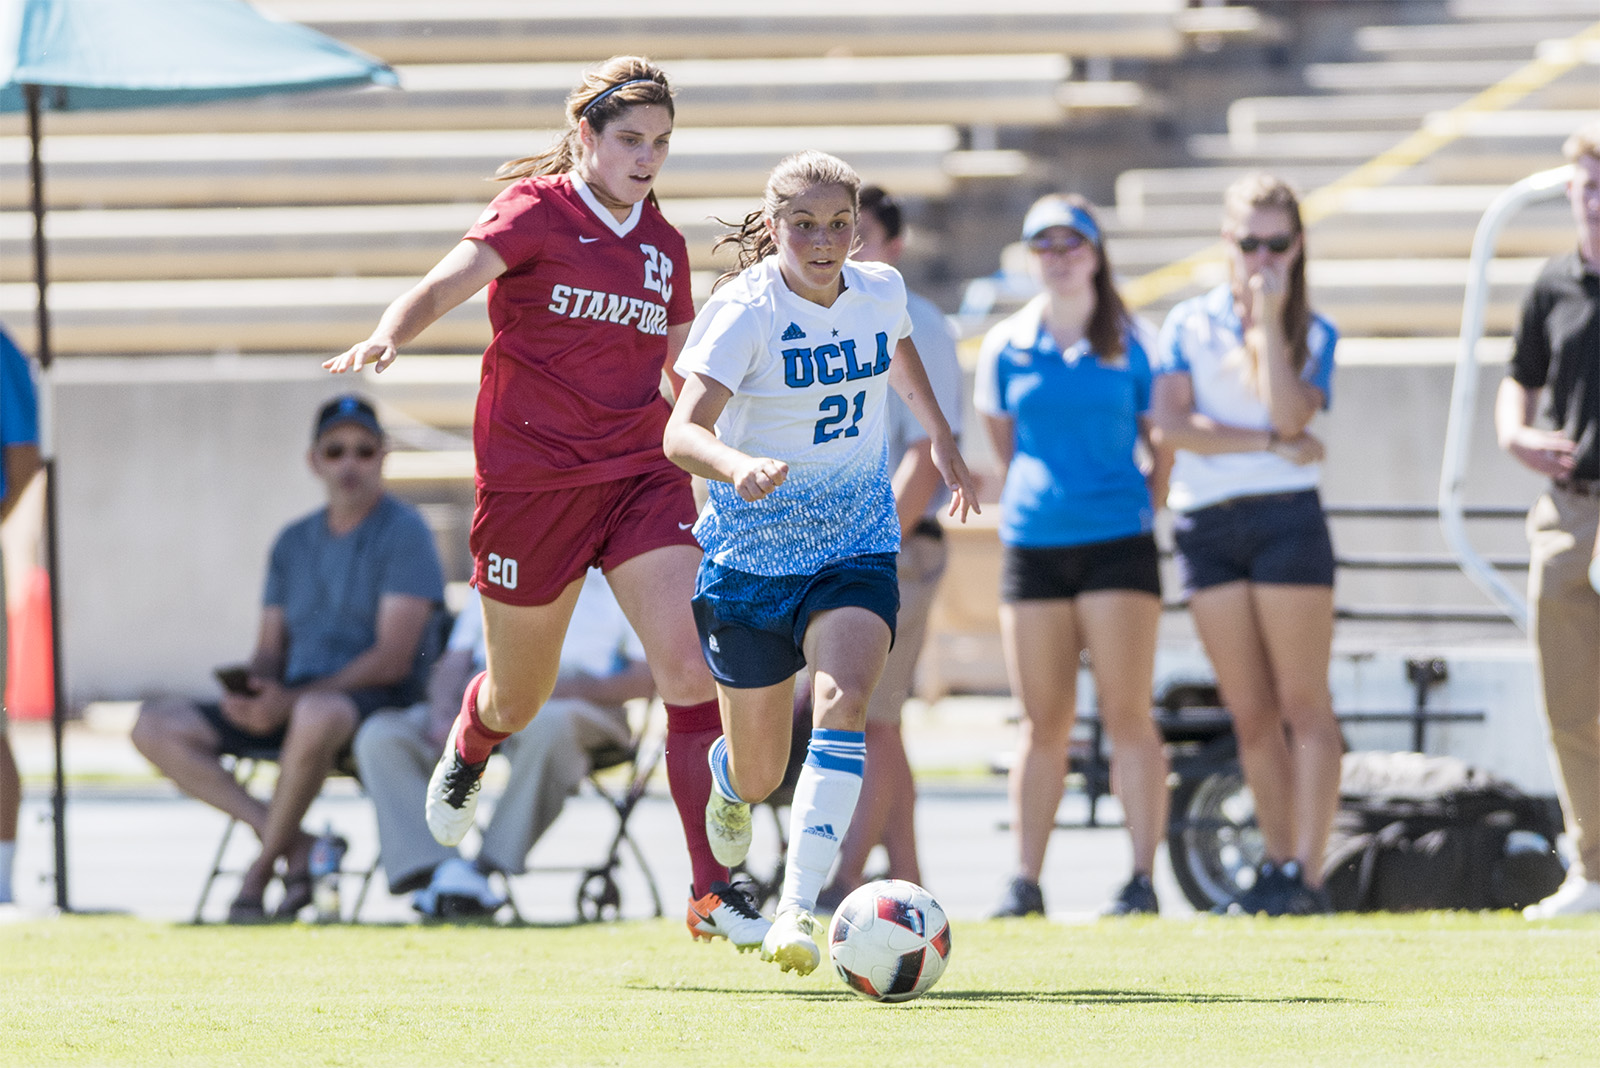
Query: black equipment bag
x,y
1425,832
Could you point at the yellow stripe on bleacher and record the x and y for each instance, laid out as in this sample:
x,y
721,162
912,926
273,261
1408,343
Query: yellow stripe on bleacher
x,y
1437,131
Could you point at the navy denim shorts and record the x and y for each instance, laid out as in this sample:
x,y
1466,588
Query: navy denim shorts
x,y
1279,538
753,627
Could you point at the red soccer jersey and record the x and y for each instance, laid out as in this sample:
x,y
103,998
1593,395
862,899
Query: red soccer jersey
x,y
570,391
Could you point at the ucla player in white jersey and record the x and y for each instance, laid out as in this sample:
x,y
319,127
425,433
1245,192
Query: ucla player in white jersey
x,y
786,374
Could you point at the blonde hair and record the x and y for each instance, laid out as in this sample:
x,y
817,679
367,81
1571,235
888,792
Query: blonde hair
x,y
1265,191
1585,141
610,81
792,176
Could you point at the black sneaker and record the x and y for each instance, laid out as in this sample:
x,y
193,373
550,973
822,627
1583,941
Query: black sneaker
x,y
1022,898
1262,896
1137,898
1298,899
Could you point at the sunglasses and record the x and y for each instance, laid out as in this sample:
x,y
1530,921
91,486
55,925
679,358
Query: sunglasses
x,y
1070,241
335,452
1276,243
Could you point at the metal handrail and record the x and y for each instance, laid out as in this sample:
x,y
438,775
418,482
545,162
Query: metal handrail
x,y
1464,395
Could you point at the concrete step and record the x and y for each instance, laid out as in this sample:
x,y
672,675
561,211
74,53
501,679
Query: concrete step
x,y
420,166
1522,10
1478,40
260,242
1028,89
1253,117
1529,130
415,31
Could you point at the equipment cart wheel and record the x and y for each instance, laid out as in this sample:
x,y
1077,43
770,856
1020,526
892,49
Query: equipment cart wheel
x,y
1212,840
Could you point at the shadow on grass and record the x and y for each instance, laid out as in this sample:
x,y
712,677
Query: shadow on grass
x,y
955,998
420,923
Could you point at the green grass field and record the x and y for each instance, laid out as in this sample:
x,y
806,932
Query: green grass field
x,y
1438,989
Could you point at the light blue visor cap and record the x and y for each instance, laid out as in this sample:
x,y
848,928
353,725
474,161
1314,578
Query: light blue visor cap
x,y
1043,216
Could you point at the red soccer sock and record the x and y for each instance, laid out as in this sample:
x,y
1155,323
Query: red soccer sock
x,y
474,741
690,731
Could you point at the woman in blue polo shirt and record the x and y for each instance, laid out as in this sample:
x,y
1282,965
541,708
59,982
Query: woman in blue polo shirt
x,y
1062,386
1241,372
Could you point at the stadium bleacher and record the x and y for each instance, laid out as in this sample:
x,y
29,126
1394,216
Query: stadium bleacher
x,y
201,229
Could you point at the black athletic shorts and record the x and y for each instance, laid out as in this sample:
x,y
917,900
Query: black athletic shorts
x,y
1059,573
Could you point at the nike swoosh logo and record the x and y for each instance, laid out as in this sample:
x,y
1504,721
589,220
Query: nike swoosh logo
x,y
685,526
588,240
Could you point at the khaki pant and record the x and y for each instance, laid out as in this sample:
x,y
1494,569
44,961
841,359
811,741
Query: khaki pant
x,y
549,758
1566,630
921,564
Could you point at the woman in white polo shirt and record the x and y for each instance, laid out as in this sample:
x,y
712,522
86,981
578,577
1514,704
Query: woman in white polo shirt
x,y
1241,371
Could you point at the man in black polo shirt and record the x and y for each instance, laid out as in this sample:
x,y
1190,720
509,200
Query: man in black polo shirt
x,y
1547,415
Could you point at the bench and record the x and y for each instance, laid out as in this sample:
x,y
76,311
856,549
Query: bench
x,y
500,30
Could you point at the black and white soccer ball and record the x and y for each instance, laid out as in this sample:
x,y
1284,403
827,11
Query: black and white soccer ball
x,y
889,940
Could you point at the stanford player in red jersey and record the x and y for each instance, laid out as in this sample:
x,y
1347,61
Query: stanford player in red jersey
x,y
589,300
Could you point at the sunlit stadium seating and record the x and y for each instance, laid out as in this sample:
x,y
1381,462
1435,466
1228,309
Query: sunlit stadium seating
x,y
285,223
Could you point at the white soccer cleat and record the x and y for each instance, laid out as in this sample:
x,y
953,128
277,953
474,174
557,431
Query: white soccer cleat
x,y
728,828
791,944
1575,897
727,912
453,793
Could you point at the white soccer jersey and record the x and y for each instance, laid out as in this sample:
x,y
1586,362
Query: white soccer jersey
x,y
809,388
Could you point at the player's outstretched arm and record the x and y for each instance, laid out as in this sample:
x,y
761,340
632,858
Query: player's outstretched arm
x,y
909,378
465,269
691,442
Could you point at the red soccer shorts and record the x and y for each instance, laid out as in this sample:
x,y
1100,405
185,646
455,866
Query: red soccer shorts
x,y
529,546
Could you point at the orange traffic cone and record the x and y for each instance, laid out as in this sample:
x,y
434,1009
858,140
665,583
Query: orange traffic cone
x,y
30,679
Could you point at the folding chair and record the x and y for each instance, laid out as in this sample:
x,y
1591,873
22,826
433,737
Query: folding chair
x,y
246,767
599,896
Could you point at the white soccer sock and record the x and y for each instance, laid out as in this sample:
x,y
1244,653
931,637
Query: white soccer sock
x,y
8,853
721,774
824,801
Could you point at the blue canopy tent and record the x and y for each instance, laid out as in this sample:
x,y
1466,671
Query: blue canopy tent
x,y
80,55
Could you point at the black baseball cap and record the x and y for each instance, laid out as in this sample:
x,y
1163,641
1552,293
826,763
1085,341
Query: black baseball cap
x,y
349,408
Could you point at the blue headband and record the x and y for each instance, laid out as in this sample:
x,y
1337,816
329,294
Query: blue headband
x,y
1048,213
614,88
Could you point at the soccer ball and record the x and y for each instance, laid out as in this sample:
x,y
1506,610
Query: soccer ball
x,y
889,940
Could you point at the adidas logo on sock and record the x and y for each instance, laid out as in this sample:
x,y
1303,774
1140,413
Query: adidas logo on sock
x,y
794,333
822,830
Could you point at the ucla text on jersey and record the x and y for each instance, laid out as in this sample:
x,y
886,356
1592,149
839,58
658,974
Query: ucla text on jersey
x,y
832,364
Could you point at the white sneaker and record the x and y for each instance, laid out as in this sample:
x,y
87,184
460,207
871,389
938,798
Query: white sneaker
x,y
453,793
728,827
461,879
1575,897
457,890
790,942
727,912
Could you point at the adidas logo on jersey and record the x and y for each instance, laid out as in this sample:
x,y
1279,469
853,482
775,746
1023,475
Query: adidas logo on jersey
x,y
794,333
822,830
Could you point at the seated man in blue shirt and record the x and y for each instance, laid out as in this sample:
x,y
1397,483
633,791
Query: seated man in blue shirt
x,y
350,594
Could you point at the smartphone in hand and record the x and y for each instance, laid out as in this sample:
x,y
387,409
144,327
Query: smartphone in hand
x,y
236,680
